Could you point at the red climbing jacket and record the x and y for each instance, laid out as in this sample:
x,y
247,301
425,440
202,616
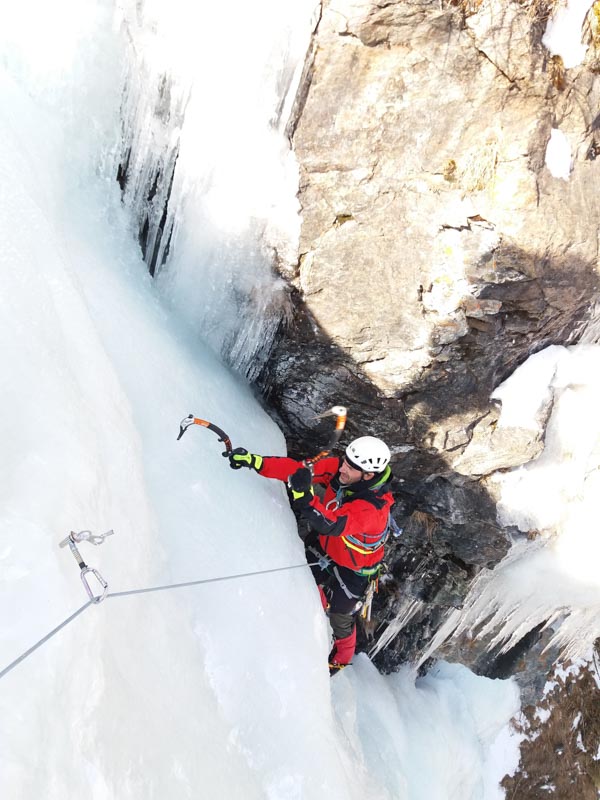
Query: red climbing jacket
x,y
352,521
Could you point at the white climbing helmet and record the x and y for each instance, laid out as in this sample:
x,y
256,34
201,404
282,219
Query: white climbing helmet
x,y
368,454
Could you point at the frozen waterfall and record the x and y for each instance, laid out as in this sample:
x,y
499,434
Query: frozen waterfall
x,y
224,691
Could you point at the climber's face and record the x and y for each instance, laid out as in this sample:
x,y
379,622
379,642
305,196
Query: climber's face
x,y
350,474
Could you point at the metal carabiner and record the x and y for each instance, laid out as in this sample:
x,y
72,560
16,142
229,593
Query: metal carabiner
x,y
368,602
94,598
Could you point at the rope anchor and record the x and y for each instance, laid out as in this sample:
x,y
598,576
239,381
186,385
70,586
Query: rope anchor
x,y
87,536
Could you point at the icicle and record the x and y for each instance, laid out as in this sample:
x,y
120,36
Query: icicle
x,y
408,609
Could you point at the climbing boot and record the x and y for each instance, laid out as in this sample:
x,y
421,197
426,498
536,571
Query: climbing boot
x,y
334,667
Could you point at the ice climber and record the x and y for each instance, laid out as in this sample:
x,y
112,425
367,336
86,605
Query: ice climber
x,y
348,526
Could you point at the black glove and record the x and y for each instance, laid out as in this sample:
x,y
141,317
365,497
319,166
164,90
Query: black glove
x,y
300,484
240,457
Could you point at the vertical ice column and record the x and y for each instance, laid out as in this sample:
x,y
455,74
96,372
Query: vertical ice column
x,y
204,164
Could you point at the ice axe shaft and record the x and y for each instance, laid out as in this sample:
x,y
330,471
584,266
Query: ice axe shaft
x,y
192,420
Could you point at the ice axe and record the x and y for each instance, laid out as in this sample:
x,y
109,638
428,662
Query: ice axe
x,y
192,420
341,414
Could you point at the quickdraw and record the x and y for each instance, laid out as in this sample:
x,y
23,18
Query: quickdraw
x,y
365,611
72,540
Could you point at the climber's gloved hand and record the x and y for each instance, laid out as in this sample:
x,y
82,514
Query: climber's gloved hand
x,y
300,483
240,457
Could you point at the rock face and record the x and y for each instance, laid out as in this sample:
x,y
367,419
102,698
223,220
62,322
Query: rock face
x,y
437,252
433,235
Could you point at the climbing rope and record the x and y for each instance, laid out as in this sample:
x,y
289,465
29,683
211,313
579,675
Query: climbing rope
x,y
207,580
48,636
95,601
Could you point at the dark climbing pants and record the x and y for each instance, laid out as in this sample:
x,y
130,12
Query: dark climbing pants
x,y
343,588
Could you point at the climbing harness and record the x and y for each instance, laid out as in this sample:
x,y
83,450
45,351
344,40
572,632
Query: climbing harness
x,y
192,420
323,561
350,595
72,540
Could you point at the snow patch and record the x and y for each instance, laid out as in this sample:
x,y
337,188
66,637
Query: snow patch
x,y
543,714
563,32
526,394
558,155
